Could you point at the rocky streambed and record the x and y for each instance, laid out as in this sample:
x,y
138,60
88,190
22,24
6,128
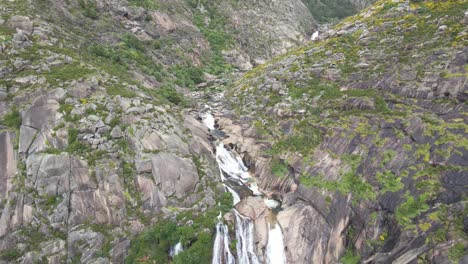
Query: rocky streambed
x,y
253,213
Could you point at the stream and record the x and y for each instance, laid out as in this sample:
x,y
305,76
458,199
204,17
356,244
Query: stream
x,y
235,176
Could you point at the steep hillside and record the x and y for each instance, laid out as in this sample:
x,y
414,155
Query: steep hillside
x,y
105,155
98,142
331,10
364,135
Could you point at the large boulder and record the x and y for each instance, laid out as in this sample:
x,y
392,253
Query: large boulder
x,y
176,176
22,23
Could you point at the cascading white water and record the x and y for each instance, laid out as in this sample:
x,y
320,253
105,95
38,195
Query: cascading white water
x,y
275,246
233,166
208,120
314,36
175,250
235,170
221,252
245,240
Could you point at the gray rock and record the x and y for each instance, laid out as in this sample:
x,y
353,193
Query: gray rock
x,y
119,252
103,130
136,110
7,162
84,242
53,247
116,132
175,176
143,165
30,258
104,205
408,75
81,90
41,115
27,136
53,174
23,23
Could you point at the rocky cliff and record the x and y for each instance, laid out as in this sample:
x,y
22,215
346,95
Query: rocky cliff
x,y
363,133
97,141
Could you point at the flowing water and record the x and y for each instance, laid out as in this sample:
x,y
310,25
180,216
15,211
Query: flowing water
x,y
221,252
232,169
275,247
245,240
175,250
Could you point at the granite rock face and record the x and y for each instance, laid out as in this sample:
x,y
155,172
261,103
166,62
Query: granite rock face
x,y
352,134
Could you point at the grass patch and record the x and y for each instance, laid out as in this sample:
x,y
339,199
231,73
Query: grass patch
x,y
12,119
67,72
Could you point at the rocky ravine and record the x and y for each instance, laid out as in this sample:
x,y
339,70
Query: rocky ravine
x,y
363,134
97,143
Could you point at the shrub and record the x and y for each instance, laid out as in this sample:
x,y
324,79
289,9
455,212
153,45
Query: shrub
x,y
168,92
350,258
13,118
10,255
456,252
89,8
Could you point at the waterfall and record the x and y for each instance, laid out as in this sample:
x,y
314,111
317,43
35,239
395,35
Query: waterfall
x,y
233,169
275,247
221,252
314,36
245,240
175,250
208,120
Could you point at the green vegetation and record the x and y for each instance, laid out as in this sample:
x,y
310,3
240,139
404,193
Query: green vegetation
x,y
89,8
350,182
457,252
187,75
350,258
67,72
118,89
330,10
154,243
146,4
12,119
74,145
389,182
410,209
10,255
304,140
279,168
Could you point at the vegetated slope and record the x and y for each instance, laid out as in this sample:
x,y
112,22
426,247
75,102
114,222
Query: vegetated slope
x,y
331,10
364,133
93,125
